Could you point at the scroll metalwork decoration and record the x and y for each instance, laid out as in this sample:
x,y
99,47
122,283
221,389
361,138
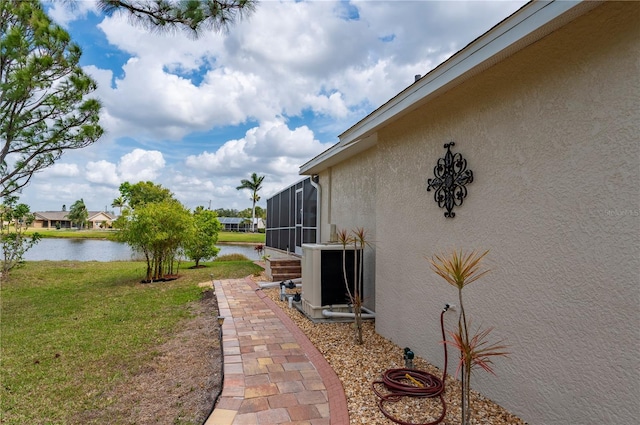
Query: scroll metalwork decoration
x,y
451,178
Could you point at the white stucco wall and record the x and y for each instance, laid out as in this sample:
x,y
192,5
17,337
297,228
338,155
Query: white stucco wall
x,y
354,184
552,136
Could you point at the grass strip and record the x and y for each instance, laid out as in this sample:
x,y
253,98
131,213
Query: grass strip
x,y
70,331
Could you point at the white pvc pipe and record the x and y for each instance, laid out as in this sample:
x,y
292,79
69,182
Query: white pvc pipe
x,y
368,311
297,281
268,284
328,313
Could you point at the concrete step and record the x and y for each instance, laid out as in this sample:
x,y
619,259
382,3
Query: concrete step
x,y
286,269
283,269
284,262
285,276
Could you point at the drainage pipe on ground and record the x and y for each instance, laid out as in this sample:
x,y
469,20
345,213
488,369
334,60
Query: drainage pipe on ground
x,y
339,314
297,281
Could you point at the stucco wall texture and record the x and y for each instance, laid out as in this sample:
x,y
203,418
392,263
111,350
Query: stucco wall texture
x,y
354,182
552,136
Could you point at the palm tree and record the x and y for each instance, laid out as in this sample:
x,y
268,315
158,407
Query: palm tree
x,y
118,203
78,213
254,185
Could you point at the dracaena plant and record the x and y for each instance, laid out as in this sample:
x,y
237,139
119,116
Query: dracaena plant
x,y
460,269
358,239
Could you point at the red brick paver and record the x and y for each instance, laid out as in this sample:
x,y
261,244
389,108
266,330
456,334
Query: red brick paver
x,y
273,374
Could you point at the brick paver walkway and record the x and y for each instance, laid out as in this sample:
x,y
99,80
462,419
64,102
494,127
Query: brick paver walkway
x,y
272,372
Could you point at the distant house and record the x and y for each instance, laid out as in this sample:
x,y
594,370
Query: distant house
x,y
240,224
100,219
60,220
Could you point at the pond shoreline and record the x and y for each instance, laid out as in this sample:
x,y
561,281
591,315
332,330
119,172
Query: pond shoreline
x,y
223,237
105,250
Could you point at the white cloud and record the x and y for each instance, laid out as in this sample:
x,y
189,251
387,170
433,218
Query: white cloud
x,y
292,76
135,166
257,71
272,149
61,169
140,165
51,195
315,60
65,12
263,148
102,172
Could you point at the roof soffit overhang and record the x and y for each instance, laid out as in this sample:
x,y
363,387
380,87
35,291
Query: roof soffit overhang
x,y
336,154
529,24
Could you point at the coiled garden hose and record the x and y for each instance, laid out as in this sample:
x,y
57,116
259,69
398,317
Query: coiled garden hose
x,y
404,382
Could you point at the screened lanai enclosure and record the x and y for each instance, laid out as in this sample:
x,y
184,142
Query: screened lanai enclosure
x,y
292,217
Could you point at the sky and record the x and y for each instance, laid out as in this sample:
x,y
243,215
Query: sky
x,y
199,115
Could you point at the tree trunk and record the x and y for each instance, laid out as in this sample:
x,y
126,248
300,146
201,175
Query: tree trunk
x,y
253,218
149,266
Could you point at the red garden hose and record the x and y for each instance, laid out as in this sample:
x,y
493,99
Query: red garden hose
x,y
397,382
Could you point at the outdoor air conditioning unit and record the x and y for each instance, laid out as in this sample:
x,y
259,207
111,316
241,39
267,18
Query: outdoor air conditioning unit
x,y
323,284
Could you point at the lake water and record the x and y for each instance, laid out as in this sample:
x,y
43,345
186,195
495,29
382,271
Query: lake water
x,y
60,249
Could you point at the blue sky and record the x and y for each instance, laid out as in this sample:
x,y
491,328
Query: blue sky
x,y
199,115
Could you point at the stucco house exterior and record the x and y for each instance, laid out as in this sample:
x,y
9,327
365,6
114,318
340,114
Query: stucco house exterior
x,y
545,108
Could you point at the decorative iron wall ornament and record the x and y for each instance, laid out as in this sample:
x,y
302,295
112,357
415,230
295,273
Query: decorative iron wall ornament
x,y
451,178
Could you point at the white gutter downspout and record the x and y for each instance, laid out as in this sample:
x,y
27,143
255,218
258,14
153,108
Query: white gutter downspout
x,y
314,182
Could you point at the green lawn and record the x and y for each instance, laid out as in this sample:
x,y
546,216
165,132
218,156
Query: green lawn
x,y
70,331
72,233
223,237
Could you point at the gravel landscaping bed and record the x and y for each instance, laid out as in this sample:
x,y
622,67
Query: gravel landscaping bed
x,y
358,366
